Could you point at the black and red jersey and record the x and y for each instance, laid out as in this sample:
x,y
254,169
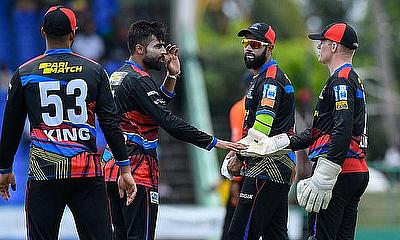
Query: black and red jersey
x,y
271,93
60,92
142,106
339,130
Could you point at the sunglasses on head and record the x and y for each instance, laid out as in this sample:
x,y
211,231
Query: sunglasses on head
x,y
254,44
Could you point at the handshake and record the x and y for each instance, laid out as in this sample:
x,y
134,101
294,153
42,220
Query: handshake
x,y
259,145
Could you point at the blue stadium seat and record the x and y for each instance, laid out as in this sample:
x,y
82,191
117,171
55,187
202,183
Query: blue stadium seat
x,y
105,10
5,39
27,42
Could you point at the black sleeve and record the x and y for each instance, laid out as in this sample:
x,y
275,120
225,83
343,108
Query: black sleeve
x,y
154,105
341,95
106,111
269,95
13,123
167,96
302,140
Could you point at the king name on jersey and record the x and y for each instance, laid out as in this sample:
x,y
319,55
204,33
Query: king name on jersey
x,y
73,134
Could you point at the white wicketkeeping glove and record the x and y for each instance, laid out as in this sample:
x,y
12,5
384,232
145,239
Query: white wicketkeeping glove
x,y
224,169
262,145
316,191
252,136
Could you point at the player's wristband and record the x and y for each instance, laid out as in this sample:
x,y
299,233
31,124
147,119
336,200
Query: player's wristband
x,y
175,76
123,163
168,94
212,144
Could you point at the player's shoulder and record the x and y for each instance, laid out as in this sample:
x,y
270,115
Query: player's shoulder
x,y
282,77
346,75
86,61
135,71
60,61
275,75
130,75
32,62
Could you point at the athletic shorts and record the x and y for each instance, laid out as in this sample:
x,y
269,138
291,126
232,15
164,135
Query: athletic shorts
x,y
85,197
339,220
138,220
117,217
262,211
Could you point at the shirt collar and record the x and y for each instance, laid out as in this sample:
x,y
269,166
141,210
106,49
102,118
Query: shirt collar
x,y
57,51
342,66
131,62
266,65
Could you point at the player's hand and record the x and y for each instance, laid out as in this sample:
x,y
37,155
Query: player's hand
x,y
315,192
234,165
6,180
224,167
171,58
221,144
262,145
127,185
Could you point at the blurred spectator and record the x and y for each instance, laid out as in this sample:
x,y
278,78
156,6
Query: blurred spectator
x,y
392,156
87,41
305,108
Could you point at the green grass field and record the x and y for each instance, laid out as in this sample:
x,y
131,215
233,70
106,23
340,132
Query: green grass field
x,y
379,216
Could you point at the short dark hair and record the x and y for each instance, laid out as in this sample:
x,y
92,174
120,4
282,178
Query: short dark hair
x,y
62,38
140,32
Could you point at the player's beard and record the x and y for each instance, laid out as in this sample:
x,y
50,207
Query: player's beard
x,y
153,63
255,62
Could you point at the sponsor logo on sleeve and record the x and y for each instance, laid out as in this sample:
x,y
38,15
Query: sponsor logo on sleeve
x,y
117,77
267,102
269,91
154,197
151,93
341,105
249,93
321,94
340,92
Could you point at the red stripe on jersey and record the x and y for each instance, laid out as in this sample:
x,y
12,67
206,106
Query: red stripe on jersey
x,y
139,118
78,164
351,165
85,165
271,72
91,60
344,73
321,141
111,171
33,59
145,170
355,148
137,122
141,72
